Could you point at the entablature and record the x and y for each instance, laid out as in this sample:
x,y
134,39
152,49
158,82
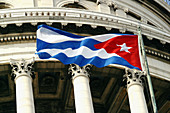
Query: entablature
x,y
79,17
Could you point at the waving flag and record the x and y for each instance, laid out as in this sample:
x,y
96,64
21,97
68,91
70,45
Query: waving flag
x,y
99,50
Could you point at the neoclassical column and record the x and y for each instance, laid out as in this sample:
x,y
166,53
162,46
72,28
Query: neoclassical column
x,y
82,93
22,75
133,79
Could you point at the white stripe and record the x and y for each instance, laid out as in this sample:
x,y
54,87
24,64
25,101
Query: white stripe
x,y
84,51
50,36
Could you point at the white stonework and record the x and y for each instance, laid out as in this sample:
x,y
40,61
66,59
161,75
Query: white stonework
x,y
120,15
82,93
137,101
22,75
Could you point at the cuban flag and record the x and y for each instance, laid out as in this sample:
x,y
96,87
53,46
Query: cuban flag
x,y
99,50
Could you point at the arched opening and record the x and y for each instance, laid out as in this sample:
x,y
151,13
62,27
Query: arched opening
x,y
74,5
4,5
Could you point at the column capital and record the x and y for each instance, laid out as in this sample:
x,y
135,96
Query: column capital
x,y
75,70
22,67
133,76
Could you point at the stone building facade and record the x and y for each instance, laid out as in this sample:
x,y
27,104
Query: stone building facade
x,y
51,84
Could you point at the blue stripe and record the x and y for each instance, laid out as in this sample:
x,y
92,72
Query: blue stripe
x,y
81,61
67,44
60,31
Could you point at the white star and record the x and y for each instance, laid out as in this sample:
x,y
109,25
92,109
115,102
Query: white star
x,y
124,47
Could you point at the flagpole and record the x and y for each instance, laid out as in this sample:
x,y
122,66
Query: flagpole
x,y
147,72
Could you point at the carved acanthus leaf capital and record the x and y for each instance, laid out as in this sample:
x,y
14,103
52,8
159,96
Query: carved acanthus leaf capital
x,y
20,67
75,70
133,76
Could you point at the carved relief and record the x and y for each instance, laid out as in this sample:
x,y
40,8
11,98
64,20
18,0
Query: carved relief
x,y
22,66
74,69
133,77
48,82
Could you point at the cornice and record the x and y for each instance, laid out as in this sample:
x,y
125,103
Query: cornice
x,y
163,4
79,17
32,36
157,53
141,11
17,37
155,6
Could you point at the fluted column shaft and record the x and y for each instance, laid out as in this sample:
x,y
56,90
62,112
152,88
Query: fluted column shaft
x,y
22,75
82,93
135,91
